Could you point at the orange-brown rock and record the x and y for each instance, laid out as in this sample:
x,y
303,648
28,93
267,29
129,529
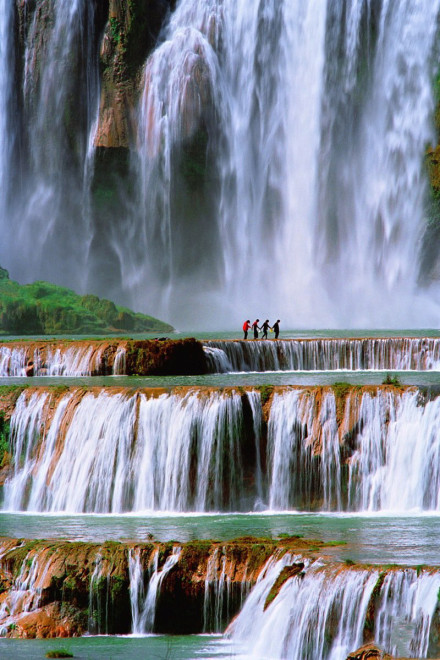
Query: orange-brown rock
x,y
62,588
130,34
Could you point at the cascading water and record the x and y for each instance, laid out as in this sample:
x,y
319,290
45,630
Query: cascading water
x,y
323,612
143,605
281,158
173,452
324,354
59,103
6,82
26,593
324,110
375,450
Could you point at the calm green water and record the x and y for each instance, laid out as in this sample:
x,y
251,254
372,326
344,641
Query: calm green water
x,y
305,378
412,539
153,647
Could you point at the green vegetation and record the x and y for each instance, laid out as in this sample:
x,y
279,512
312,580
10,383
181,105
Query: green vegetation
x,y
59,653
5,454
391,380
45,308
341,389
287,573
266,393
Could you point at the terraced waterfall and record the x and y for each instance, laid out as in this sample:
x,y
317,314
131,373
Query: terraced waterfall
x,y
204,496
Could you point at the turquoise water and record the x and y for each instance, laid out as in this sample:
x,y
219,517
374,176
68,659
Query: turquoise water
x,y
305,378
390,539
153,647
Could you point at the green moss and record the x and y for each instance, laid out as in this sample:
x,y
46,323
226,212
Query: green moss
x,y
118,586
341,389
392,380
5,449
59,653
116,29
287,573
265,392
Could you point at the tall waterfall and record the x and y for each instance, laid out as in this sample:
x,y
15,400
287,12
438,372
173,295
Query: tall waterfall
x,y
322,113
277,166
58,105
7,65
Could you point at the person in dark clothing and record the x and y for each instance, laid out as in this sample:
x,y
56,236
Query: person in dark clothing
x,y
265,327
246,328
256,328
276,328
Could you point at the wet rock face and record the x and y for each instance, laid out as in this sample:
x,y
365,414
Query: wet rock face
x,y
130,34
64,589
369,652
178,357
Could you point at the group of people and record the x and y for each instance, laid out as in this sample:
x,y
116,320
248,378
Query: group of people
x,y
264,327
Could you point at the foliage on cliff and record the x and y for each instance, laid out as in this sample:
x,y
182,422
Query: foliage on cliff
x,y
45,308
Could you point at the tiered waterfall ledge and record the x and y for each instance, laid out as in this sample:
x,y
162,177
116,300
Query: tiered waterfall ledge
x,y
59,589
189,356
338,448
102,357
288,596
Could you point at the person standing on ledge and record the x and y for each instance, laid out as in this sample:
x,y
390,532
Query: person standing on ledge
x,y
256,328
265,327
246,328
276,328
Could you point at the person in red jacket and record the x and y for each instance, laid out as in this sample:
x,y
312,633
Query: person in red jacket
x,y
246,328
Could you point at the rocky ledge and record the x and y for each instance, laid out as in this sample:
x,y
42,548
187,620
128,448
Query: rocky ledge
x,y
64,589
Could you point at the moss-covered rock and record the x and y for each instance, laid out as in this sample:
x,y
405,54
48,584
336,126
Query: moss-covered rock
x,y
167,357
45,308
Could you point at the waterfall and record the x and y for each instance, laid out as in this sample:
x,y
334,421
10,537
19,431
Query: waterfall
x,y
217,599
172,452
12,361
201,450
26,423
59,102
7,66
25,594
323,612
279,155
396,462
324,354
87,359
408,601
143,605
62,360
98,611
323,111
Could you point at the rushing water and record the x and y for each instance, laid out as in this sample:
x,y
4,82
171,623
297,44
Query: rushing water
x,y
59,63
202,450
310,120
310,87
